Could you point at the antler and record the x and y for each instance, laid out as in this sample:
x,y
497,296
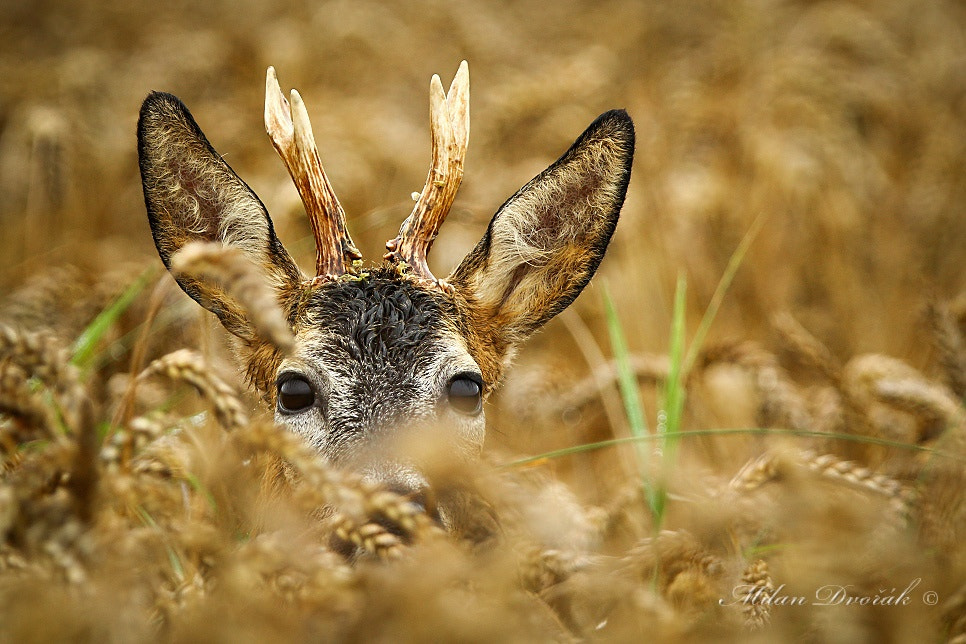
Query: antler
x,y
450,121
291,134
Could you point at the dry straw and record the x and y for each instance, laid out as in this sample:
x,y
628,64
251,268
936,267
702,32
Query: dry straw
x,y
241,280
758,588
841,120
773,466
190,367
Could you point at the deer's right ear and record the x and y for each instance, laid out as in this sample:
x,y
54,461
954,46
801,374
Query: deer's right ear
x,y
191,194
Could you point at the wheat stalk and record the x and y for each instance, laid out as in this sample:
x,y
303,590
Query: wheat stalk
x,y
33,417
242,280
781,404
807,347
668,554
44,357
950,344
319,485
924,399
771,466
370,537
756,473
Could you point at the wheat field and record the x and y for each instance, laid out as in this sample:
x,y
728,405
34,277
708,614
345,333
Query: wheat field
x,y
749,427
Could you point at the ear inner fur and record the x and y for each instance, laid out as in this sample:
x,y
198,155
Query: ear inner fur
x,y
191,194
545,243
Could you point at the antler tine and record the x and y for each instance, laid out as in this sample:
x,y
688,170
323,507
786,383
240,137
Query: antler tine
x,y
291,133
450,123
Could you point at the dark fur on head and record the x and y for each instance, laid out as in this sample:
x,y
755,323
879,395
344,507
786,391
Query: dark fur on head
x,y
378,316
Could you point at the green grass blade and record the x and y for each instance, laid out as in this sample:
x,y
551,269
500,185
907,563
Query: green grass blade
x,y
740,431
719,292
626,379
633,406
674,392
672,403
86,347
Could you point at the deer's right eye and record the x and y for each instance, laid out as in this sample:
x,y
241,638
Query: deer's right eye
x,y
295,394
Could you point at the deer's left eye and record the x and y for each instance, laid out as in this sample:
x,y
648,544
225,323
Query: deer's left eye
x,y
465,394
295,394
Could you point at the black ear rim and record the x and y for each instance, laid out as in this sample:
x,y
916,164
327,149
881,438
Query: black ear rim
x,y
617,122
622,127
159,106
154,106
162,106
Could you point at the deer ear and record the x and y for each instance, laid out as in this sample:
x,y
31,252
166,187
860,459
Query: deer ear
x,y
545,243
191,194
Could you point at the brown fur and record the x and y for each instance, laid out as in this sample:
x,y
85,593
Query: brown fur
x,y
539,251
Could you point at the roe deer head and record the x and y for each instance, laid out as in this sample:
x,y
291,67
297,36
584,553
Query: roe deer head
x,y
388,346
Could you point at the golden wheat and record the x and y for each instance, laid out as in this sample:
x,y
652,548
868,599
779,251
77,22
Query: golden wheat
x,y
124,516
759,585
190,367
241,279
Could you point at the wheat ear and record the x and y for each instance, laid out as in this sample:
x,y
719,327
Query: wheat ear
x,y
241,280
190,367
756,585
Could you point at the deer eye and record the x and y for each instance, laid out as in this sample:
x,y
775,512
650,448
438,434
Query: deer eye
x,y
295,394
465,393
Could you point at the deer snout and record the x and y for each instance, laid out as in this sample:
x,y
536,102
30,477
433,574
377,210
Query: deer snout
x,y
422,498
409,484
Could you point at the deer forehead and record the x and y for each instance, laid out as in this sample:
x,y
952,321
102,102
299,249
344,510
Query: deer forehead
x,y
378,316
380,333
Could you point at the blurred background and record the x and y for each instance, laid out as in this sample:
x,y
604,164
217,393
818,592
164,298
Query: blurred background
x,y
841,123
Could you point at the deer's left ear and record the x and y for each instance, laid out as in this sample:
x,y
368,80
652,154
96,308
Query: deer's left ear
x,y
545,243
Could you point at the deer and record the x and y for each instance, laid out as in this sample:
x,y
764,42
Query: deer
x,y
386,346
